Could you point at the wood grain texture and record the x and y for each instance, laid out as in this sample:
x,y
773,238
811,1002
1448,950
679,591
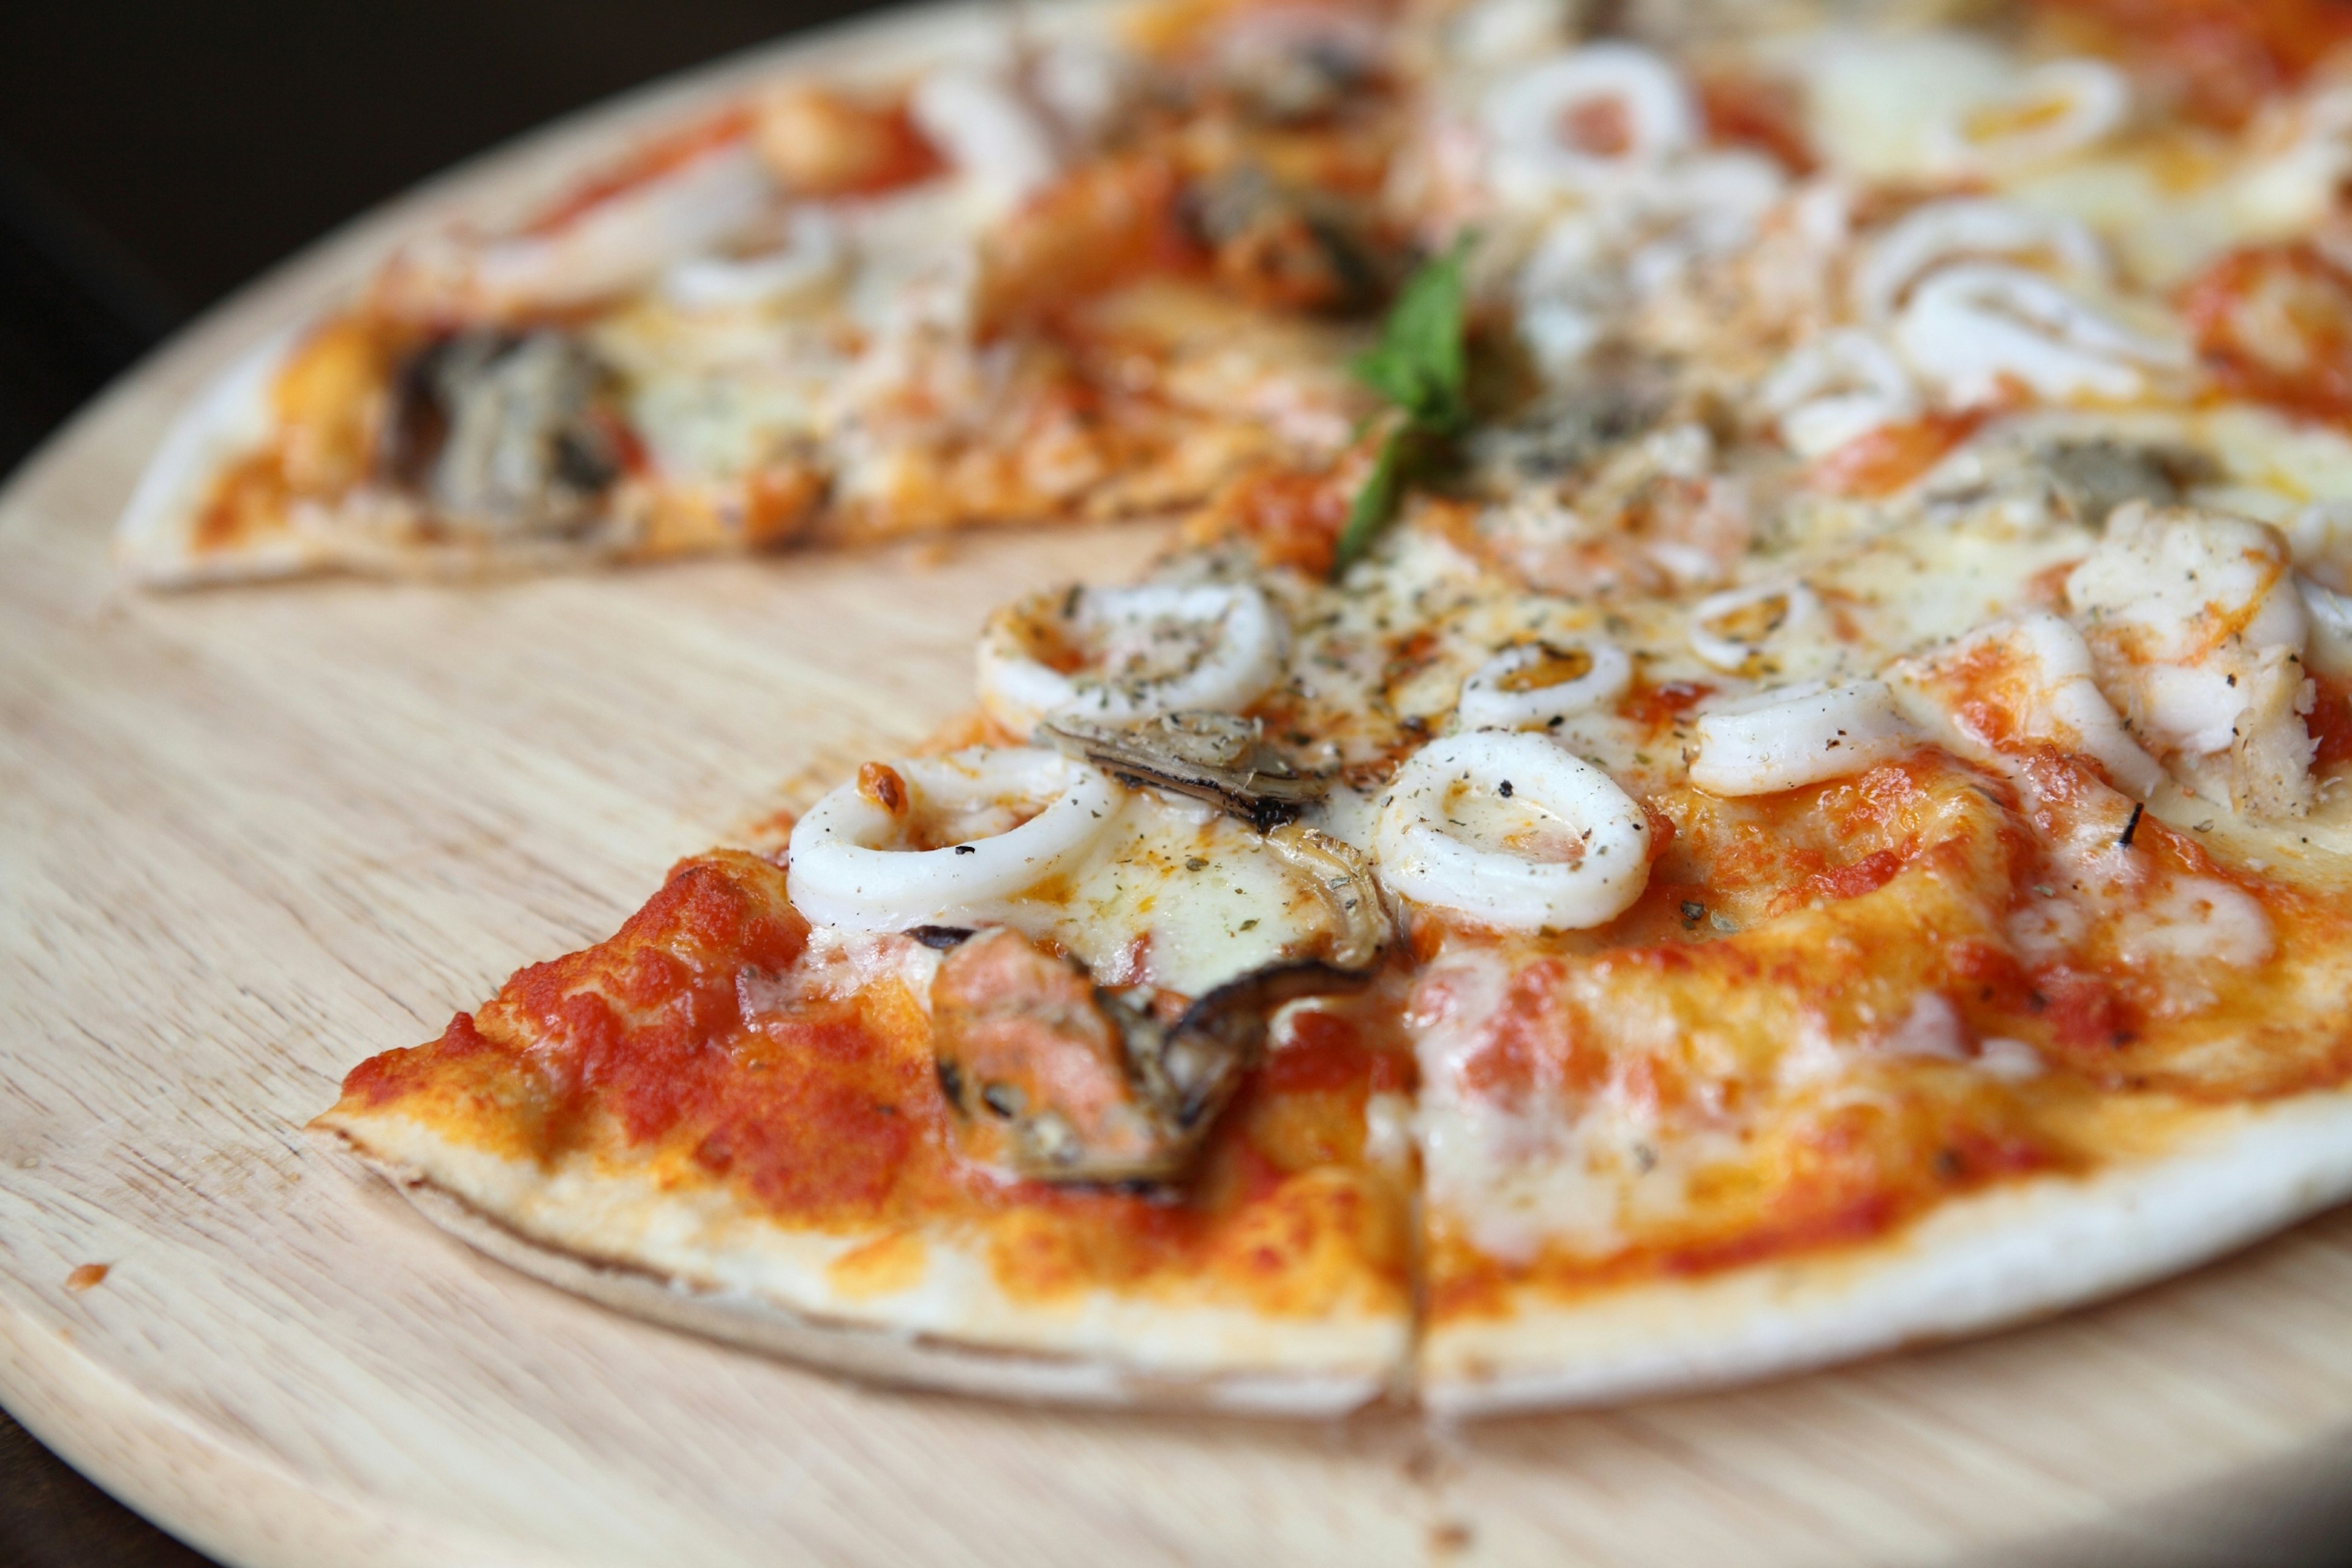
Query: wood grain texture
x,y
247,837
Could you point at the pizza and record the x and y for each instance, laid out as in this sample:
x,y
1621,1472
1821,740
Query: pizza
x,y
1740,758
833,308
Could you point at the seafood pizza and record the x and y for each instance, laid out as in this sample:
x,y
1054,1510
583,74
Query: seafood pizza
x,y
1742,759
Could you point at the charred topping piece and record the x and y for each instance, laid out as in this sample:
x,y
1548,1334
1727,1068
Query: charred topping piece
x,y
1190,1069
1300,80
1362,922
1563,431
1214,757
2096,475
1065,1081
505,432
1285,249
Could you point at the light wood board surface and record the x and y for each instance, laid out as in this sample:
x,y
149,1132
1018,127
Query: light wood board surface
x,y
247,837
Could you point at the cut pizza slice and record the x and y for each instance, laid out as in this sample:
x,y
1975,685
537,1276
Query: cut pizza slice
x,y
1920,1051
1966,984
1004,283
1100,1072
1128,1131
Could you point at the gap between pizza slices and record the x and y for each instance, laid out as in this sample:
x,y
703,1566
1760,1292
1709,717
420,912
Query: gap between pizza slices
x,y
1742,761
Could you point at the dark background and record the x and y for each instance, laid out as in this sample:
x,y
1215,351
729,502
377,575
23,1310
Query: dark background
x,y
156,156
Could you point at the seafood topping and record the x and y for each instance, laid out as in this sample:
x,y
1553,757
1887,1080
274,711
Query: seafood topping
x,y
1563,431
1215,757
2093,476
1362,919
505,432
1285,249
1192,1067
1063,1080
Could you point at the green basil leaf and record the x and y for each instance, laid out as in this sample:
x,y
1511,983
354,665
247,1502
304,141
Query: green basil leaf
x,y
1422,366
1375,501
1420,363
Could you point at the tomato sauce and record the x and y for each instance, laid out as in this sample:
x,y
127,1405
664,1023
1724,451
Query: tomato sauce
x,y
2274,323
2330,724
2224,57
1292,518
671,1042
1748,111
1881,461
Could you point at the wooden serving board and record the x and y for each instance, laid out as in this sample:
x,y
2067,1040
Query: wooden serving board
x,y
249,837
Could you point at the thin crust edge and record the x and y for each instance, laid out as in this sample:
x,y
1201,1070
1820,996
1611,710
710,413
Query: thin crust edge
x,y
891,1358
2004,1257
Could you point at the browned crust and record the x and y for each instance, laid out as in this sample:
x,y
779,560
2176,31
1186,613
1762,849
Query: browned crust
x,y
881,1356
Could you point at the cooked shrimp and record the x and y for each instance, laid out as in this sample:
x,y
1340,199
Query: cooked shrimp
x,y
2017,686
2197,628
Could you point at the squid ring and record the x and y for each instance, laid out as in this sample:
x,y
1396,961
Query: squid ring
x,y
1539,681
1973,326
1424,856
1161,648
1731,649
849,866
1798,735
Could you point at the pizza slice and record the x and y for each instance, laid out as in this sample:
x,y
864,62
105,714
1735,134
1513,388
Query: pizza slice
x,y
1128,1131
1019,282
1897,1058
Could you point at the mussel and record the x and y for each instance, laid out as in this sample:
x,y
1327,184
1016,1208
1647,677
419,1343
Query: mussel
x,y
1063,1080
1285,249
2093,476
1214,757
504,432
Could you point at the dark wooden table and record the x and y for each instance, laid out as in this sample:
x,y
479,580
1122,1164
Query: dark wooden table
x,y
52,1518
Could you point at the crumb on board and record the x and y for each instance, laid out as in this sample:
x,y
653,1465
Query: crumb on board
x,y
86,1274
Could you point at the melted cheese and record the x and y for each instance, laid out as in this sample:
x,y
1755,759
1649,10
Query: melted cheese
x,y
2195,920
1180,896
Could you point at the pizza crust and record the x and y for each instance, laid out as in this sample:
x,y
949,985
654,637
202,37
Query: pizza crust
x,y
154,541
1135,1354
2005,1257
2012,1255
